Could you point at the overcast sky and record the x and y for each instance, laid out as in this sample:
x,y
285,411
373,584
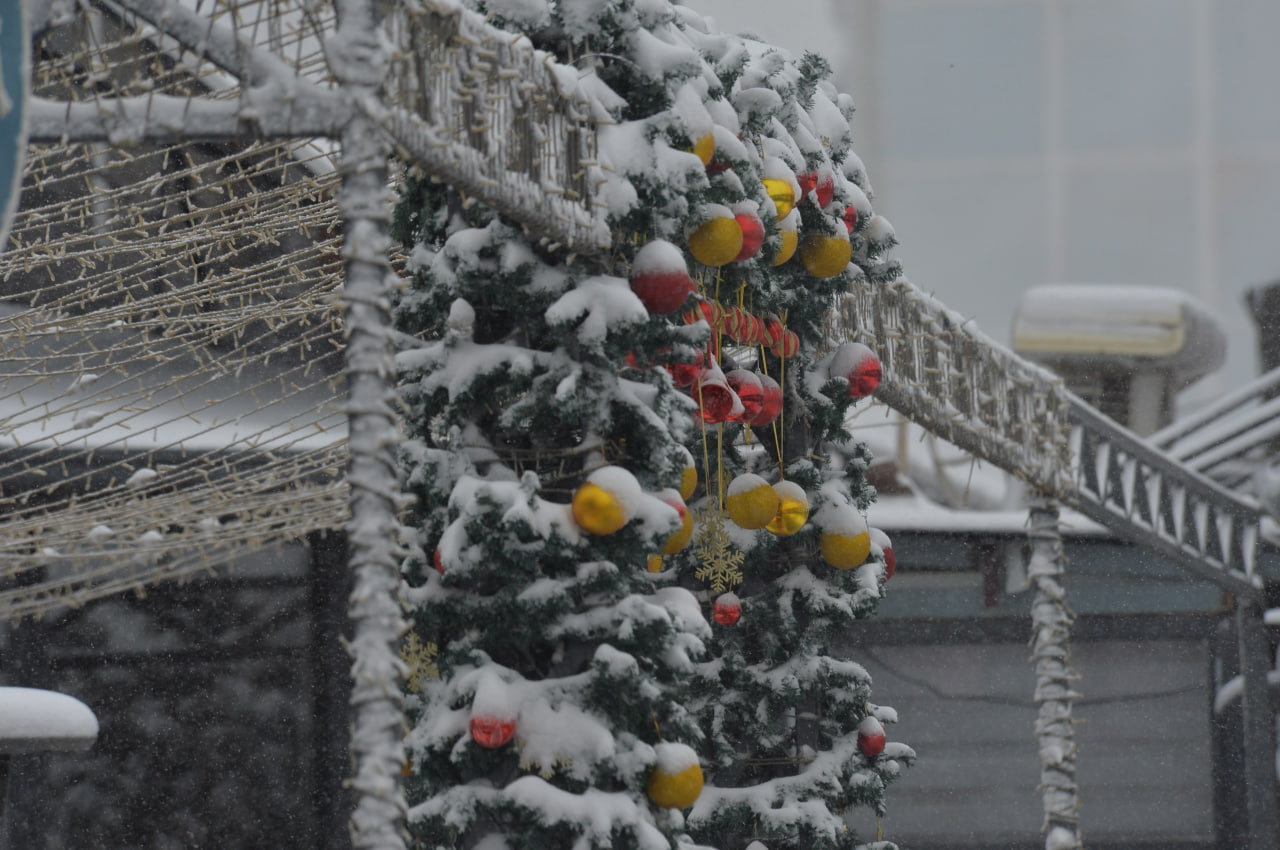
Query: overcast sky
x,y
797,25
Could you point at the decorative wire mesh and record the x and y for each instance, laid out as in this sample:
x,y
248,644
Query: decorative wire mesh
x,y
170,338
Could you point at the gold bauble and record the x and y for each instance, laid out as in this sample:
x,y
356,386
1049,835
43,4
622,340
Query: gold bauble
x,y
597,511
675,789
825,256
655,563
793,509
845,551
780,192
790,240
680,538
688,481
751,501
716,241
705,148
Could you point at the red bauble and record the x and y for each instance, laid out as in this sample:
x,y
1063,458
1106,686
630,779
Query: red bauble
x,y
881,541
771,402
684,374
439,564
746,385
660,277
850,218
736,321
870,737
752,235
859,364
788,346
775,331
716,402
825,188
492,732
808,180
727,609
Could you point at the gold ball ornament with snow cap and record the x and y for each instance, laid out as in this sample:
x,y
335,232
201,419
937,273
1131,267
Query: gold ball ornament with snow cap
x,y
788,232
602,504
826,256
704,147
793,509
688,476
676,780
751,501
845,541
782,195
681,536
718,240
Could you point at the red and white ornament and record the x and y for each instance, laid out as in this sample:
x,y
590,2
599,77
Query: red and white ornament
x,y
880,541
716,402
660,277
850,218
727,609
870,737
746,213
684,374
770,404
824,189
859,365
493,717
749,390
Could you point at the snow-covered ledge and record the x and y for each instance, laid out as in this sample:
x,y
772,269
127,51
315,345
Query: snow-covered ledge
x,y
32,720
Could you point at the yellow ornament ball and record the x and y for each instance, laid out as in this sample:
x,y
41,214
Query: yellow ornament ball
x,y
688,477
779,191
705,148
680,537
790,240
751,501
793,509
825,256
655,563
676,780
597,511
717,241
845,541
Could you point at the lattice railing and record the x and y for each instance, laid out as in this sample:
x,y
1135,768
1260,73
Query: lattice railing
x,y
948,377
969,390
508,124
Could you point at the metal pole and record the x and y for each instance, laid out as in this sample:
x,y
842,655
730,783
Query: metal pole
x,y
358,58
1259,729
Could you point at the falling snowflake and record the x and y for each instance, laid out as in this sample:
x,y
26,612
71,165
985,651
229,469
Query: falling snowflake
x,y
721,563
420,660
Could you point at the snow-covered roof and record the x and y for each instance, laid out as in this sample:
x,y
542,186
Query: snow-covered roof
x,y
1121,323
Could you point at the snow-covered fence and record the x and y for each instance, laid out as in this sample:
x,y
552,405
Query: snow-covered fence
x,y
944,374
509,125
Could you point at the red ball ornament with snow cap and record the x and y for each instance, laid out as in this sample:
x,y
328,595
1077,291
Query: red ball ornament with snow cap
x,y
716,401
770,404
746,385
850,218
727,609
880,540
493,719
684,374
752,231
660,277
824,189
870,737
859,364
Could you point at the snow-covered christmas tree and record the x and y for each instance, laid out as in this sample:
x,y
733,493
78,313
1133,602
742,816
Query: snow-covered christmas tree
x,y
641,520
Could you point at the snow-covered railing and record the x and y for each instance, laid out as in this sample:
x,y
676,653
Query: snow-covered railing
x,y
509,125
946,375
1145,496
